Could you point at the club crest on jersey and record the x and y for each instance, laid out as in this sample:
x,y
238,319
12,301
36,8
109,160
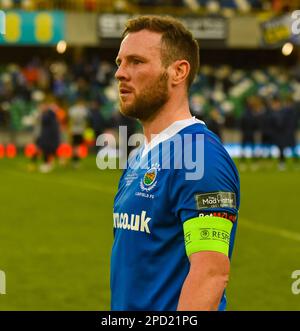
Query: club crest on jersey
x,y
149,180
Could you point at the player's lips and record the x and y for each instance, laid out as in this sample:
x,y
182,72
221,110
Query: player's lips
x,y
125,90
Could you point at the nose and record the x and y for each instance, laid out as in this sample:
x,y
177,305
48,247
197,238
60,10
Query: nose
x,y
121,73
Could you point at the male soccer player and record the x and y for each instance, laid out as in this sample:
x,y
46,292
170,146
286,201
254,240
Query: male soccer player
x,y
173,229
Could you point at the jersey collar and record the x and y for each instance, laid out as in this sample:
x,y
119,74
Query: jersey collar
x,y
170,131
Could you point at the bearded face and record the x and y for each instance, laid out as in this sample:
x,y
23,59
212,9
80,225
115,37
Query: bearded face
x,y
143,105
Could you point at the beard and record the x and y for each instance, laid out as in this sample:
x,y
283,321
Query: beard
x,y
149,101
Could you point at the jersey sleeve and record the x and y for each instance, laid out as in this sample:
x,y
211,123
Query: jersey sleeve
x,y
208,206
216,193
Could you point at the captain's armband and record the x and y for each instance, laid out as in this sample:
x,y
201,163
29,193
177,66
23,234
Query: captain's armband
x,y
207,234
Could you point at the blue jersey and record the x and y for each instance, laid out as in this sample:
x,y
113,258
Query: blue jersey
x,y
149,263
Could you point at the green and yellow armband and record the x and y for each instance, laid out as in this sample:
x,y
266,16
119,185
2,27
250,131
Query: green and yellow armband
x,y
207,234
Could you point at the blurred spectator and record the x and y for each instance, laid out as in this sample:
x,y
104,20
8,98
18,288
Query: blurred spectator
x,y
291,119
267,131
215,122
48,137
131,126
251,124
78,120
97,121
278,128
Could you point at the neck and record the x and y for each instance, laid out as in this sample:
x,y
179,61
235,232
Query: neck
x,y
172,111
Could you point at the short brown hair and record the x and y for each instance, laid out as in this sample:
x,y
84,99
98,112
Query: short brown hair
x,y
178,43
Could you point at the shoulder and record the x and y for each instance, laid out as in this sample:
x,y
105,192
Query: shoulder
x,y
206,163
199,136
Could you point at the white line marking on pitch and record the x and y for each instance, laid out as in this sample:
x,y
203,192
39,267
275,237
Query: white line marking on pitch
x,y
270,230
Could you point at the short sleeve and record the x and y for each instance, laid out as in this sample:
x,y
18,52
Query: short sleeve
x,y
216,193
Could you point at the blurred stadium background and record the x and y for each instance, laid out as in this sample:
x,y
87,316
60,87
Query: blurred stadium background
x,y
57,57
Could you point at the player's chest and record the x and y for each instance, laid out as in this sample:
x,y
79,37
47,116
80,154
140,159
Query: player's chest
x,y
141,187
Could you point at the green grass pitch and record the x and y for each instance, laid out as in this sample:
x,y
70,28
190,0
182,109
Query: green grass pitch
x,y
56,236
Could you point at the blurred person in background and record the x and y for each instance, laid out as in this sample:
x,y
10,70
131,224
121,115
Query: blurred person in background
x,y
60,109
267,131
120,120
291,123
250,126
97,121
279,129
78,121
215,122
48,136
57,106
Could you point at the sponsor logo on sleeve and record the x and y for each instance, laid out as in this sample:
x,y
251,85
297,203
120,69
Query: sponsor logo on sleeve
x,y
215,200
223,214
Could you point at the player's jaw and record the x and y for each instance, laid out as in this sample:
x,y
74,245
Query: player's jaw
x,y
146,103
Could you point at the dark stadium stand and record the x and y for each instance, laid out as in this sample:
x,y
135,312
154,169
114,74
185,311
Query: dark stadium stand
x,y
219,88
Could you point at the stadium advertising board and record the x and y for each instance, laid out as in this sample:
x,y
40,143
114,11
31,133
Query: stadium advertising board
x,y
110,26
278,30
33,28
2,22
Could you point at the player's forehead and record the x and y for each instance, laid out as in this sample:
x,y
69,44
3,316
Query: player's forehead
x,y
145,43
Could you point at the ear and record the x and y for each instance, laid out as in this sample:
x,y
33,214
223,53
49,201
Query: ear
x,y
179,71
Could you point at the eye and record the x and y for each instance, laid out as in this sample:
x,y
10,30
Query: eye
x,y
136,61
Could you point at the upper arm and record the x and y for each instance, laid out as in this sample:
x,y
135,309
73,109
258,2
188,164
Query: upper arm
x,y
205,282
208,207
209,263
